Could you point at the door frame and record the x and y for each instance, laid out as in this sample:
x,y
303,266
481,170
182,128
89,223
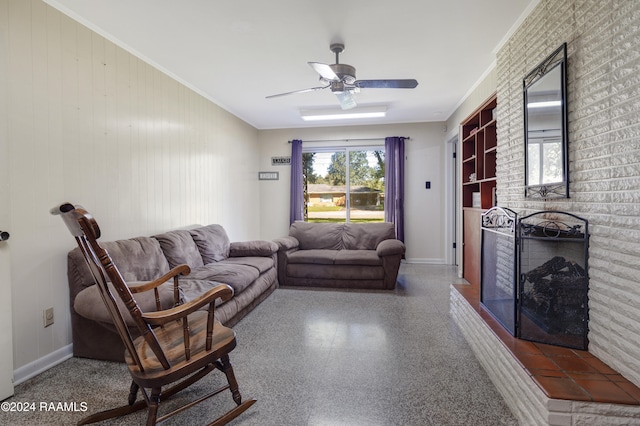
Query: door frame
x,y
451,202
6,315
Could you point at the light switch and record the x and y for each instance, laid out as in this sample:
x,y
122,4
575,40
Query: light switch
x,y
427,185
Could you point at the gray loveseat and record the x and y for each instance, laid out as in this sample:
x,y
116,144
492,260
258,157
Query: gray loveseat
x,y
347,255
248,267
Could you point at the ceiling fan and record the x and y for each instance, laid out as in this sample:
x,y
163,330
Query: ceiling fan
x,y
341,79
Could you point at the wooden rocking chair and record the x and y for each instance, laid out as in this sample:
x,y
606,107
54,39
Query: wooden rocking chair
x,y
177,346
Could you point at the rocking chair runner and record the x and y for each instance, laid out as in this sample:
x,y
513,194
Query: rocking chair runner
x,y
178,343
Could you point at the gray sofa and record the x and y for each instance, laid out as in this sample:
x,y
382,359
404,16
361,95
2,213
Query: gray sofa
x,y
248,267
347,255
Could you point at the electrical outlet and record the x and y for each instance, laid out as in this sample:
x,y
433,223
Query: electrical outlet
x,y
48,317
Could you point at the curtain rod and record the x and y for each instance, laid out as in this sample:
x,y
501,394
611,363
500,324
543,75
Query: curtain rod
x,y
349,140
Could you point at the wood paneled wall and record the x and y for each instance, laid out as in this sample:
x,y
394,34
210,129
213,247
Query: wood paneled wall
x,y
89,123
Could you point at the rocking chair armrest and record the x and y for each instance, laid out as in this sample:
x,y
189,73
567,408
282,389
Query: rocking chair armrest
x,y
178,270
222,291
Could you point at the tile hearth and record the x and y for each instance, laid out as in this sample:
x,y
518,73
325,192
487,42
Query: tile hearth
x,y
569,384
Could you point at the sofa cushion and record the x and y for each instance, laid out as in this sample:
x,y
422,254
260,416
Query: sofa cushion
x,y
312,236
262,264
90,305
212,241
191,289
238,277
336,272
321,257
138,259
366,236
357,257
179,248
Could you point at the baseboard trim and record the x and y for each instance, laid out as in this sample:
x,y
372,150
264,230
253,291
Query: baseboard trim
x,y
41,365
426,261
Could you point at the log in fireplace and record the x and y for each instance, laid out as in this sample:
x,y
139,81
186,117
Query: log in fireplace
x,y
534,277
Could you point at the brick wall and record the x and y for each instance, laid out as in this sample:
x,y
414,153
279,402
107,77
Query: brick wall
x,y
603,47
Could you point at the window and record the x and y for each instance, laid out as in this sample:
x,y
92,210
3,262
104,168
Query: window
x,y
344,184
547,171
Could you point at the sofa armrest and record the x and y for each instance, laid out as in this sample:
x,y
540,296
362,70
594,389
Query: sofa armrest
x,y
287,243
286,246
253,248
390,248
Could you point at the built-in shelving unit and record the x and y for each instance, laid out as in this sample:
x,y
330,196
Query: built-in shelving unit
x,y
479,144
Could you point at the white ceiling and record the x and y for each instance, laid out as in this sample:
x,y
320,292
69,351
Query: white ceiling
x,y
236,52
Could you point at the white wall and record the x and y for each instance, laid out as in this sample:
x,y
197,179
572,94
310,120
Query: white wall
x,y
482,91
425,209
91,124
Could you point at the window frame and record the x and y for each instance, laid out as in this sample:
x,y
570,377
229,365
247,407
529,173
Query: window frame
x,y
346,149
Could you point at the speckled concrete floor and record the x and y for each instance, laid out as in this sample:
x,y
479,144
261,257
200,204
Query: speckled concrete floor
x,y
317,357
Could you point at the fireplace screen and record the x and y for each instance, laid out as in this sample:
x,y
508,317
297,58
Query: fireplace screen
x,y
553,281
534,275
498,283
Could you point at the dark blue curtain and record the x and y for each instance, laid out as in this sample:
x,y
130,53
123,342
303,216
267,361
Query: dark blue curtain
x,y
394,183
296,207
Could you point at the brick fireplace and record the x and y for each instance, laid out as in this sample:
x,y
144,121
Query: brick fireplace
x,y
604,154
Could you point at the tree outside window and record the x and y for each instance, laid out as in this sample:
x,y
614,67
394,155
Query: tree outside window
x,y
344,185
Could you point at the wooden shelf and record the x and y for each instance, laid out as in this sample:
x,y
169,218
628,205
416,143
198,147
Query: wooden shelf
x,y
479,148
478,165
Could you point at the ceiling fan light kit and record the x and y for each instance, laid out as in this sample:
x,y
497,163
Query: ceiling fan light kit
x,y
341,80
338,114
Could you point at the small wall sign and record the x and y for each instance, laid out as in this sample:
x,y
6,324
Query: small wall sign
x,y
268,175
280,161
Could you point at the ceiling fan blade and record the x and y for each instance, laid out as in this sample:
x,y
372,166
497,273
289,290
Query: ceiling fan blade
x,y
311,89
386,84
324,70
346,100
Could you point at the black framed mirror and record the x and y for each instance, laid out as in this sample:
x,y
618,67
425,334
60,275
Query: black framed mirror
x,y
545,128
